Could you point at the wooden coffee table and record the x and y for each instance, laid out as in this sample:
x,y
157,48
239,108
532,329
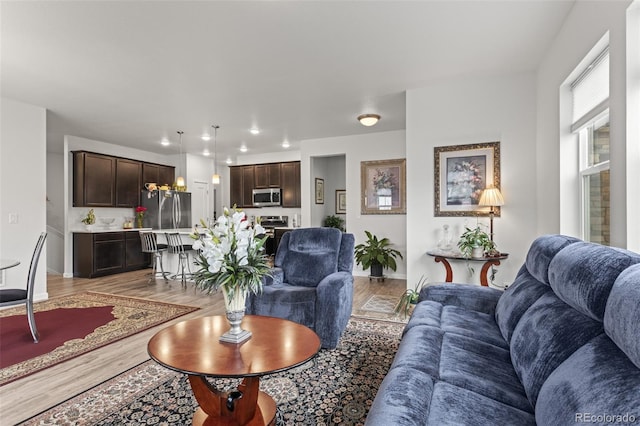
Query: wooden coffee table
x,y
192,347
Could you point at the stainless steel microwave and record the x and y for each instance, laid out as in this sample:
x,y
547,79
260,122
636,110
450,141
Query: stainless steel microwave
x,y
266,197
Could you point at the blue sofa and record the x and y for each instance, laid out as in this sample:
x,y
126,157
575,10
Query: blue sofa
x,y
560,346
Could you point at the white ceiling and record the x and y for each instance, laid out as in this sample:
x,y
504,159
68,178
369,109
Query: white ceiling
x,y
130,73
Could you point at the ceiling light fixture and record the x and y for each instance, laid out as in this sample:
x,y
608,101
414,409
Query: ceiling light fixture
x,y
215,179
285,144
243,148
229,160
165,142
254,131
206,153
206,137
180,179
368,119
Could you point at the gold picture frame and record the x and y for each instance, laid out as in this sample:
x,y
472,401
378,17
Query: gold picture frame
x,y
341,201
461,173
383,186
319,191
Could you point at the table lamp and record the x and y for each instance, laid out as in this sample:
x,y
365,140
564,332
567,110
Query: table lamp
x,y
491,197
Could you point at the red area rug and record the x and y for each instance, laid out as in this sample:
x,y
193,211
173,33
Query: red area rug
x,y
73,325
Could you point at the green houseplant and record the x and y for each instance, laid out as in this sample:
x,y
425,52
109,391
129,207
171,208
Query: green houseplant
x,y
475,239
409,298
376,254
334,222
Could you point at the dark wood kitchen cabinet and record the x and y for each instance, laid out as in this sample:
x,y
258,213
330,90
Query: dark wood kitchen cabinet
x,y
157,173
291,184
128,182
94,180
241,184
106,253
267,175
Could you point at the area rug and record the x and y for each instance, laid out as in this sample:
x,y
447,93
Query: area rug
x,y
380,303
73,325
337,387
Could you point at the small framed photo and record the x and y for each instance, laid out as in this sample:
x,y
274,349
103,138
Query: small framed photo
x,y
341,201
461,173
383,187
319,191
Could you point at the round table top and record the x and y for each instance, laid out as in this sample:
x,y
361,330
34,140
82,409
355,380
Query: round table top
x,y
193,347
8,263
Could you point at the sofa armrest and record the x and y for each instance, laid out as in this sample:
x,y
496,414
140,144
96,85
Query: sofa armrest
x,y
334,302
467,296
275,277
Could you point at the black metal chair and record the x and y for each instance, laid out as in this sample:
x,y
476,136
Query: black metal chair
x,y
150,245
175,246
18,296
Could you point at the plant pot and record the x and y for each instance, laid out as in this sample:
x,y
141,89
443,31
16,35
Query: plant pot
x,y
376,270
477,252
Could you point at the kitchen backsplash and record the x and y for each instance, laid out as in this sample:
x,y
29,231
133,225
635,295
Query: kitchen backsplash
x,y
76,214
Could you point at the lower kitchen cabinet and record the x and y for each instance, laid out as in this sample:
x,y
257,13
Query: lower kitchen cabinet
x,y
106,253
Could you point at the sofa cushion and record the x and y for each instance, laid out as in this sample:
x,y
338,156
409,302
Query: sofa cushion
x,y
455,406
597,380
482,368
297,304
516,300
582,275
622,314
403,398
543,249
420,350
547,334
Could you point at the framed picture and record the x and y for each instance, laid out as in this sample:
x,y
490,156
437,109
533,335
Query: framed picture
x,y
341,201
461,173
383,186
319,191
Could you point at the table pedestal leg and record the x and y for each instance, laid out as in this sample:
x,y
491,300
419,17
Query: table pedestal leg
x,y
485,270
253,408
447,266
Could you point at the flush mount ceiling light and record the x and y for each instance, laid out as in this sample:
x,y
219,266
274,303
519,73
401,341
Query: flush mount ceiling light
x,y
368,119
254,131
165,142
285,144
206,137
206,153
215,179
243,148
229,161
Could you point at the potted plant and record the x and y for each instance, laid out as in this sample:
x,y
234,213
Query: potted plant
x,y
409,298
376,254
89,220
475,243
334,222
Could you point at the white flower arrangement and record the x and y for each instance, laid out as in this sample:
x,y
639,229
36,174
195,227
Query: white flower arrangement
x,y
231,256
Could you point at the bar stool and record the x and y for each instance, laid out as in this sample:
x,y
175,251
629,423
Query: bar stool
x,y
150,245
176,246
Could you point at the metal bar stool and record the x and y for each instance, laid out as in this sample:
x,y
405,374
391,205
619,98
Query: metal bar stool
x,y
150,245
176,246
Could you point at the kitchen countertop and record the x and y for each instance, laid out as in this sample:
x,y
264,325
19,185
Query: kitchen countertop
x,y
99,230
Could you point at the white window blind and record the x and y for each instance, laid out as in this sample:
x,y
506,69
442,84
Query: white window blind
x,y
591,91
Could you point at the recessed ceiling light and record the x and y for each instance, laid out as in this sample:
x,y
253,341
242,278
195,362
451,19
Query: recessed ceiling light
x,y
243,148
254,131
165,142
285,144
229,161
206,137
206,152
368,119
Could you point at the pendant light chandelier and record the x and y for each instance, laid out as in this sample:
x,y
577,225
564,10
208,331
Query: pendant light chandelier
x,y
215,179
180,179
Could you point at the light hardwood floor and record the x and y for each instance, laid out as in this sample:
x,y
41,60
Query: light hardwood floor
x,y
26,397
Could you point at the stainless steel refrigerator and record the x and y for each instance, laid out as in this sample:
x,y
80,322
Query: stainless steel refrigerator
x,y
166,209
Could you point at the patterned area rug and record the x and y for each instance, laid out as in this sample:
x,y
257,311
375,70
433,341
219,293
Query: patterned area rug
x,y
132,315
336,387
378,303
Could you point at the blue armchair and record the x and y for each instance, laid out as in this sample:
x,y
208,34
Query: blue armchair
x,y
311,282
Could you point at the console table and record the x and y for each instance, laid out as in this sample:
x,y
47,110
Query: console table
x,y
488,262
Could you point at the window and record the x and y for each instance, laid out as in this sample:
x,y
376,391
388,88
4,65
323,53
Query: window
x,y
591,126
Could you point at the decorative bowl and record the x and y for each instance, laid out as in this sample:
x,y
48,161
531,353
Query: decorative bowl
x,y
107,221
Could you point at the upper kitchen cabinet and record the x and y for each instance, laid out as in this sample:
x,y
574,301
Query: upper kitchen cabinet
x,y
267,175
291,184
241,184
157,173
128,182
94,180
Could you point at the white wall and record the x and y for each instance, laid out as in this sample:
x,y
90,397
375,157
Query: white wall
x,y
357,148
557,194
23,190
463,111
633,126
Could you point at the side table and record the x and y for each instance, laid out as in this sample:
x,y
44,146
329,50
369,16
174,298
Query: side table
x,y
444,258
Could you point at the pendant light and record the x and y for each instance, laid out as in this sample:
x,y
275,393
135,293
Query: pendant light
x,y
215,179
180,179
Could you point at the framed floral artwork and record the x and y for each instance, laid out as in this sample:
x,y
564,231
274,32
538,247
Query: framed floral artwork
x,y
383,186
341,201
461,173
319,191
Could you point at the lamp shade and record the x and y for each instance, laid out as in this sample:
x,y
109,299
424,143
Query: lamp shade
x,y
368,119
491,197
215,179
180,181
